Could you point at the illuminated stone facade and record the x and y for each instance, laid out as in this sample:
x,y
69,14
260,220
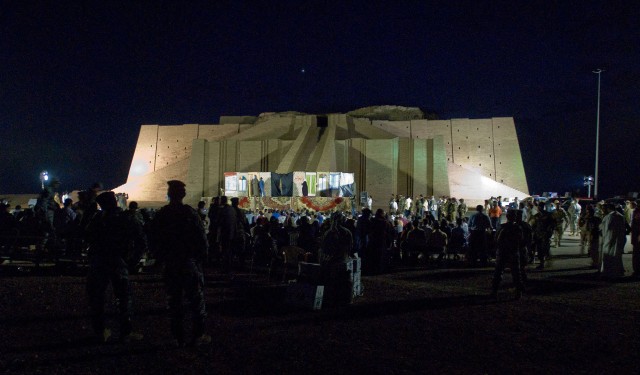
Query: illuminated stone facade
x,y
465,158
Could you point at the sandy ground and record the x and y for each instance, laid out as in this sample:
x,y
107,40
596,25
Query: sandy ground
x,y
413,320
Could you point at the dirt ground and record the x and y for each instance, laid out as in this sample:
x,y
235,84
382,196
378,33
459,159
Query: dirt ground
x,y
410,321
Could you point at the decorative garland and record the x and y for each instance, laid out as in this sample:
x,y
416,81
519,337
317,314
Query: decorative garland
x,y
308,202
317,204
278,203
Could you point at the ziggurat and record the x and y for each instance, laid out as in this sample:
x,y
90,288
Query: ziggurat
x,y
463,158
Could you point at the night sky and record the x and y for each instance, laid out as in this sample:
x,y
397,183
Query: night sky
x,y
78,78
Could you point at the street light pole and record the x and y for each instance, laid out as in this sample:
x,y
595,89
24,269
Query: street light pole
x,y
595,188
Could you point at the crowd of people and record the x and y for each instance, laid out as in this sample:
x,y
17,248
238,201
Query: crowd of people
x,y
420,231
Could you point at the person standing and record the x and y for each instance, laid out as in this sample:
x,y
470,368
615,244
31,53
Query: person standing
x,y
452,213
407,207
635,238
393,205
614,237
380,239
261,187
255,186
592,236
574,211
480,226
181,245
227,223
110,234
433,207
561,217
526,253
462,209
509,240
495,213
543,227
214,254
420,207
240,238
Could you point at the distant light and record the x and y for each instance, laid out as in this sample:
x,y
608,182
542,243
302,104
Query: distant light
x,y
302,70
44,176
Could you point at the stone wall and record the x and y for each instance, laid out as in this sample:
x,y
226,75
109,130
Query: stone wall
x,y
486,146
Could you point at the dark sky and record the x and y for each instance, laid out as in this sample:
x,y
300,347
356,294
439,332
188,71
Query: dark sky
x,y
78,78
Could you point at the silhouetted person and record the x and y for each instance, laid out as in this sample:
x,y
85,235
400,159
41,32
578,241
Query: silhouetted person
x,y
509,239
336,248
363,226
226,221
45,210
480,226
380,239
110,235
214,229
181,245
239,242
543,226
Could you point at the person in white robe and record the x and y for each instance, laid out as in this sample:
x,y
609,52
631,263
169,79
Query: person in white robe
x,y
612,240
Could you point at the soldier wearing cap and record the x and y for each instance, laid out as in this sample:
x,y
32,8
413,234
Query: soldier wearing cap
x,y
110,235
181,245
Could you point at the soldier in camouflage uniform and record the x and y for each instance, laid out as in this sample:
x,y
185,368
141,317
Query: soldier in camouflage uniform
x,y
112,237
562,218
462,209
452,210
543,227
181,245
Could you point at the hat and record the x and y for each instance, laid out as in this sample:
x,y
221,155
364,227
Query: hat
x,y
107,200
